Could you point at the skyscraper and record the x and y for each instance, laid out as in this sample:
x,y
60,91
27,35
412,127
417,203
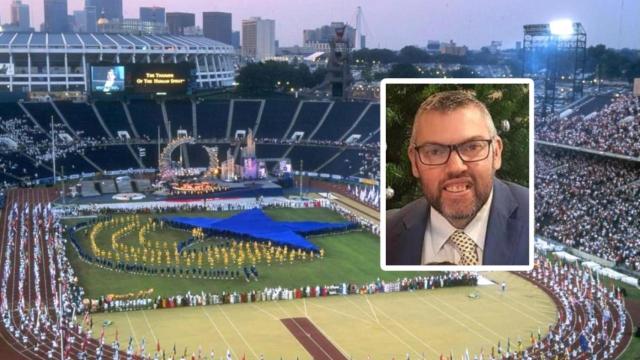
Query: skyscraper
x,y
55,16
178,21
152,14
217,26
112,9
91,17
258,38
235,39
20,15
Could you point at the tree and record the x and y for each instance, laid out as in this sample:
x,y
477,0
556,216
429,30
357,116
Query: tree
x,y
413,55
265,78
403,71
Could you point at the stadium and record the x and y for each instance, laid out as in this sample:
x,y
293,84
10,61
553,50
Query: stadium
x,y
164,221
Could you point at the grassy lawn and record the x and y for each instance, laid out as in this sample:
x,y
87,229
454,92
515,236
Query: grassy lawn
x,y
351,257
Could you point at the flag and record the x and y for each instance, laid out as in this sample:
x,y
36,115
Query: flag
x,y
102,336
584,344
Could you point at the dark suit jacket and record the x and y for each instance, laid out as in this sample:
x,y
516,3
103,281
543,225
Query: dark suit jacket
x,y
507,236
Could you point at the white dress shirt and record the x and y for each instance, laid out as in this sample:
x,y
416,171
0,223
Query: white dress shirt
x,y
436,248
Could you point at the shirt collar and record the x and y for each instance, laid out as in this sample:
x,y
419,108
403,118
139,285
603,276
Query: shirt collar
x,y
441,229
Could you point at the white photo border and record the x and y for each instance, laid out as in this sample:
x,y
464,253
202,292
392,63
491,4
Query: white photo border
x,y
383,175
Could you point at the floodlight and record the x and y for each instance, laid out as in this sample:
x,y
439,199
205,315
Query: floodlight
x,y
562,27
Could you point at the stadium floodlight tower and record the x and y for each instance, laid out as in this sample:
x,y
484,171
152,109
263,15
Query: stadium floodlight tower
x,y
552,54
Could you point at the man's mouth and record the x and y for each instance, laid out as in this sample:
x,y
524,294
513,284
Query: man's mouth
x,y
457,188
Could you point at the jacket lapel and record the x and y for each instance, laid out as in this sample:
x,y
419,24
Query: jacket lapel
x,y
415,224
499,241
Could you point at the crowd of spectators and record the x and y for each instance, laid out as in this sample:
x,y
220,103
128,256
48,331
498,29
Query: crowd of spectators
x,y
614,129
589,203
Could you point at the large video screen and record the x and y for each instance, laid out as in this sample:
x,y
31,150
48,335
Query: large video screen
x,y
160,78
107,79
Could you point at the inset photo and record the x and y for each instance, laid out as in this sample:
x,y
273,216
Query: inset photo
x,y
457,166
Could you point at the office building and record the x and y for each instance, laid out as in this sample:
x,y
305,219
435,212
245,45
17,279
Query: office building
x,y
258,38
217,26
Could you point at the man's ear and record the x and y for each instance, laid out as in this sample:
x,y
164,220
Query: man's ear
x,y
497,153
411,152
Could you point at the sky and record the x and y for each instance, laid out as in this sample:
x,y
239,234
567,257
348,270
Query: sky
x,y
392,25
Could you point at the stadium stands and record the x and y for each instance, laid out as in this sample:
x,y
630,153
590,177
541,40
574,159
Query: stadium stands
x,y
113,157
590,203
114,117
82,119
309,117
276,118
91,149
336,125
615,128
348,162
180,116
147,117
270,151
369,123
245,115
212,119
312,156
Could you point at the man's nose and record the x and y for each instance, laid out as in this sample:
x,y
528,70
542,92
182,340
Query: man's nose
x,y
455,163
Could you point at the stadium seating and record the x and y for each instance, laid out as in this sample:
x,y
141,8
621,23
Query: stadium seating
x,y
245,115
147,116
369,123
276,118
348,163
114,117
42,113
114,157
313,156
309,117
92,145
590,203
73,163
341,117
10,110
212,119
179,114
614,128
82,119
265,151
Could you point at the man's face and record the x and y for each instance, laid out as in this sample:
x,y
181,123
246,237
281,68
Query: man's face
x,y
457,189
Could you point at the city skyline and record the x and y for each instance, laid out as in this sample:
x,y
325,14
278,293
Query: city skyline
x,y
609,23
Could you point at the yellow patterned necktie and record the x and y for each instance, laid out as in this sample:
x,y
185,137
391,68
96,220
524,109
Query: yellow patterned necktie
x,y
466,247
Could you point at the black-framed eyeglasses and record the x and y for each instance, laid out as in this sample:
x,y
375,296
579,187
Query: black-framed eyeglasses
x,y
438,154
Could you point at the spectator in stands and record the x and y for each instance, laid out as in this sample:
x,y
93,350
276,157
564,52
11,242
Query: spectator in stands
x,y
467,216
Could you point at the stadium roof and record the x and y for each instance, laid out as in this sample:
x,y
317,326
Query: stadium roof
x,y
40,40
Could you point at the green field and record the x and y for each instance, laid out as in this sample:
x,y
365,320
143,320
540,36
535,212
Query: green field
x,y
350,257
